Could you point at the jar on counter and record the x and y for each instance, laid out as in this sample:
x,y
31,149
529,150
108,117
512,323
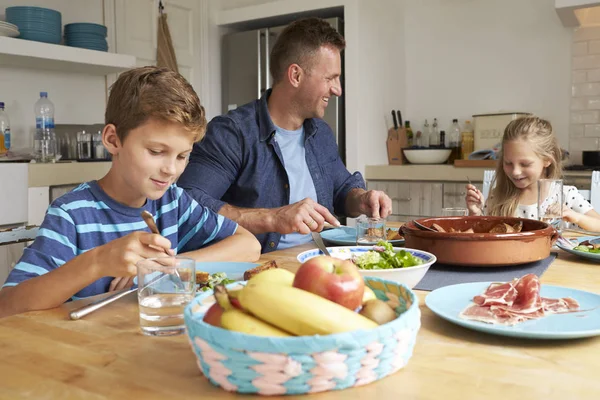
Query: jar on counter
x,y
84,145
100,152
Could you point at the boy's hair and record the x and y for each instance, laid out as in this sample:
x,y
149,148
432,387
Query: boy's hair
x,y
298,44
145,93
504,198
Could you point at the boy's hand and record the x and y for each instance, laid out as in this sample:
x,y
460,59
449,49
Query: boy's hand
x,y
474,200
121,283
118,258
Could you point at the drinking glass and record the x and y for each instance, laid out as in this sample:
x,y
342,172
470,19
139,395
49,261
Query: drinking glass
x,y
369,230
550,201
165,286
455,212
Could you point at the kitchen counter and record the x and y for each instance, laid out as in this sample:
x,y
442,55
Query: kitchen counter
x,y
66,173
441,172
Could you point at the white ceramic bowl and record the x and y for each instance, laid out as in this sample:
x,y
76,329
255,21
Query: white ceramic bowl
x,y
409,276
427,156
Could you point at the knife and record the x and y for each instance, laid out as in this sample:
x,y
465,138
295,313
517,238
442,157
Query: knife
x,y
395,121
319,241
399,117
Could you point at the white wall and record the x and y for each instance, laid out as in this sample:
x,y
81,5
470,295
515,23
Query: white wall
x,y
78,98
469,57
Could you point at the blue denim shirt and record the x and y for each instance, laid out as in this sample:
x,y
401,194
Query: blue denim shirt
x,y
239,162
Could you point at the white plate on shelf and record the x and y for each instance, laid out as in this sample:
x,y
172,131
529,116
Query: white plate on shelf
x,y
7,30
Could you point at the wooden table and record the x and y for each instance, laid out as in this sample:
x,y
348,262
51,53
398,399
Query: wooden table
x,y
104,356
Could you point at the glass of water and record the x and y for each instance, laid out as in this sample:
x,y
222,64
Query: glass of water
x,y
550,201
455,212
369,230
165,286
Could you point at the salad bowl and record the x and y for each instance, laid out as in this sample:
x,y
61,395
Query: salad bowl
x,y
407,275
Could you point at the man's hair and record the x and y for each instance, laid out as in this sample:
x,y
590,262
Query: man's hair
x,y
145,93
298,44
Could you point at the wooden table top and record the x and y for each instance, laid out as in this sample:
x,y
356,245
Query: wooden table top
x,y
104,356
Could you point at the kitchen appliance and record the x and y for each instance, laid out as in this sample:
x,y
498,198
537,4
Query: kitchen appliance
x,y
590,158
245,74
489,128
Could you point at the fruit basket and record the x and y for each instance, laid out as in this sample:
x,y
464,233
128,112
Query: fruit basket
x,y
244,363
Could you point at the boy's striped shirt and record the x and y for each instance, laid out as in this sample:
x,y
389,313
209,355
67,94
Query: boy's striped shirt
x,y
87,217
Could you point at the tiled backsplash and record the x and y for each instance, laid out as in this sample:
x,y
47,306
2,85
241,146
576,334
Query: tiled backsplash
x,y
585,93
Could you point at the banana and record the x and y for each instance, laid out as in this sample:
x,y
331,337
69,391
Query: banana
x,y
239,321
369,295
298,311
275,275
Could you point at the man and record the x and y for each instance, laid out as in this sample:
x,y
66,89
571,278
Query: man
x,y
273,165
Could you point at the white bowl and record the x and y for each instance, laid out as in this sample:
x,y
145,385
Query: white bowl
x,y
427,156
408,276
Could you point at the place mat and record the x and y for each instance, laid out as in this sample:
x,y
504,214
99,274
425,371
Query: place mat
x,y
440,275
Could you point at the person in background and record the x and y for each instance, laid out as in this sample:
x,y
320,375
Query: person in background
x,y
529,152
273,165
92,237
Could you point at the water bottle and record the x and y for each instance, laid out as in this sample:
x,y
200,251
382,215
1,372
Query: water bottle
x,y
4,130
44,143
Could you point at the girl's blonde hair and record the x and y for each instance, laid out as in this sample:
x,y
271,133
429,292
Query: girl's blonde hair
x,y
504,197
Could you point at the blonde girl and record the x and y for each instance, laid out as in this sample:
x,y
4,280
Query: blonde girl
x,y
529,152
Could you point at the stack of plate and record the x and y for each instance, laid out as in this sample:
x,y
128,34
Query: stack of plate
x,y
36,23
9,30
86,35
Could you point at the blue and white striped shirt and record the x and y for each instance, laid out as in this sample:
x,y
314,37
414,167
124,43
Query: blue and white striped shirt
x,y
87,217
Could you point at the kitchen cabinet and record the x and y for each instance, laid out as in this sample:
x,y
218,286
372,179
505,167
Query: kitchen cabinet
x,y
413,199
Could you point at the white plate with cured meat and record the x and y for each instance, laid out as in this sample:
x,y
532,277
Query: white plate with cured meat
x,y
519,309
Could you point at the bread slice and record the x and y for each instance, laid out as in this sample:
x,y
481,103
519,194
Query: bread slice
x,y
263,267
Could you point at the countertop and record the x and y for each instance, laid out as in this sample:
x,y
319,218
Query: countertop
x,y
440,172
66,173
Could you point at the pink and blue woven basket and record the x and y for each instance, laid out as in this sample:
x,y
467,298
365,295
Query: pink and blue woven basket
x,y
305,364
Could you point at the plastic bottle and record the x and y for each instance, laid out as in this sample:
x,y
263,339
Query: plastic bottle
x,y
409,133
44,142
4,130
454,141
468,140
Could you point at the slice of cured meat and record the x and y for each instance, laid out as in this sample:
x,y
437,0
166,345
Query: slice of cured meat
x,y
513,302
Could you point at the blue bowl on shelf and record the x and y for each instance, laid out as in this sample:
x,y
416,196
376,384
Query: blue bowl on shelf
x,y
86,28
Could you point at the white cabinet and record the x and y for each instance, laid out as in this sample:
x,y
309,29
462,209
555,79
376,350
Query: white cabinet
x,y
412,199
136,24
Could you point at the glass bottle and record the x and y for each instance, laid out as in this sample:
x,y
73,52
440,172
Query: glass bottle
x,y
409,133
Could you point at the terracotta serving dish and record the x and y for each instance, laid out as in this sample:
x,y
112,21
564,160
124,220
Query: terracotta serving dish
x,y
481,249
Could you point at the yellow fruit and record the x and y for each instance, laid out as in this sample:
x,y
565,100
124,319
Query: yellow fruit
x,y
239,321
369,295
298,311
275,275
378,311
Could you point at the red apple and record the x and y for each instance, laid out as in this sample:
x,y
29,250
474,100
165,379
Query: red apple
x,y
213,315
332,278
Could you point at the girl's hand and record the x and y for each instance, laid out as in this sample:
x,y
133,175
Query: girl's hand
x,y
474,200
570,215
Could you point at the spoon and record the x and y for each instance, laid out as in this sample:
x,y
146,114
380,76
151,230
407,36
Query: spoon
x,y
319,241
423,227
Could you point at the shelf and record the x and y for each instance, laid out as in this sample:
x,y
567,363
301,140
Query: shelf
x,y
29,54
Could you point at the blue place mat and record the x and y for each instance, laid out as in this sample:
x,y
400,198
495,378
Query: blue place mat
x,y
440,275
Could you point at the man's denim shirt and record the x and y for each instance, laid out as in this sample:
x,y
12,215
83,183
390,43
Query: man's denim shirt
x,y
239,162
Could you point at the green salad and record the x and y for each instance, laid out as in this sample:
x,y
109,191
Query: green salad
x,y
214,280
586,249
384,257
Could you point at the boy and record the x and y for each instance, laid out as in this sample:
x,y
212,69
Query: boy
x,y
92,237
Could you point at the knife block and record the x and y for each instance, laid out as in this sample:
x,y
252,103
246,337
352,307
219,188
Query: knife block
x,y
396,141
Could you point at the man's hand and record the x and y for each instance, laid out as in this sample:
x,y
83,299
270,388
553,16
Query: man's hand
x,y
375,203
303,217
